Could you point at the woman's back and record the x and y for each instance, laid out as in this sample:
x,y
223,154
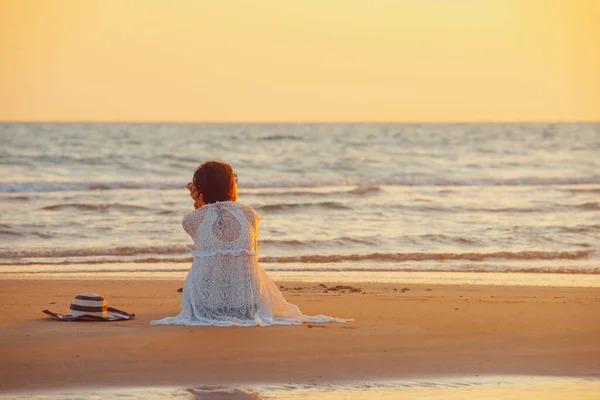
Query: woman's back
x,y
225,227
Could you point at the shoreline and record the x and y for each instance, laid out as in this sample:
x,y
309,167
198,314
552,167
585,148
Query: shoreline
x,y
479,278
468,387
399,331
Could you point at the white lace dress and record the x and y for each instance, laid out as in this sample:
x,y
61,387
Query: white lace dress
x,y
226,285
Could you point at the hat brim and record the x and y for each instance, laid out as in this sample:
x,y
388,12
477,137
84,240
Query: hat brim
x,y
112,314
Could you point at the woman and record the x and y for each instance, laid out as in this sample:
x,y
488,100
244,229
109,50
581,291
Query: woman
x,y
226,285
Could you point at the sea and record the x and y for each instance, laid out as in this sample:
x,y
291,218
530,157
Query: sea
x,y
492,203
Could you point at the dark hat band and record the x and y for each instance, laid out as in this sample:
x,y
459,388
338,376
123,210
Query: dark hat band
x,y
89,309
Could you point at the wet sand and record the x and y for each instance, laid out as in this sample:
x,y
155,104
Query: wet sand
x,y
400,331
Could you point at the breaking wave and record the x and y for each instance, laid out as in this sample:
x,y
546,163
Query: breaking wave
x,y
400,257
102,251
292,206
11,187
15,257
95,207
317,270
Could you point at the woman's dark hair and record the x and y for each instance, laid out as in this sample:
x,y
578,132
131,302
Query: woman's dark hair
x,y
216,181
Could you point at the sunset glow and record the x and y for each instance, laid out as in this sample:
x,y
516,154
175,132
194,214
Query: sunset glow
x,y
335,60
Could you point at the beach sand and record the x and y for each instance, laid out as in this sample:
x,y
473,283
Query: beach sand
x,y
399,331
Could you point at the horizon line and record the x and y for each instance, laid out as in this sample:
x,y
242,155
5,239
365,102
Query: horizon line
x,y
312,122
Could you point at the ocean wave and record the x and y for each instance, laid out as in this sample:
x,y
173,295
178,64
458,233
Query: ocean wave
x,y
486,268
15,257
592,206
7,233
95,207
586,191
401,257
360,184
99,261
292,206
580,228
102,251
362,190
334,241
359,191
19,198
501,210
16,187
280,137
317,270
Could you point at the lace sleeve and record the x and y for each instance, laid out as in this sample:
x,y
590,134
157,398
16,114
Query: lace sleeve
x,y
252,217
192,221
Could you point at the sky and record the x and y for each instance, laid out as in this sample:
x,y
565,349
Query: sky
x,y
300,61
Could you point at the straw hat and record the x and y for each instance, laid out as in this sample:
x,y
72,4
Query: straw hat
x,y
91,306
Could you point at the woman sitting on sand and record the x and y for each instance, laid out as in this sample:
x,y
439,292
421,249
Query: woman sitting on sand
x,y
226,285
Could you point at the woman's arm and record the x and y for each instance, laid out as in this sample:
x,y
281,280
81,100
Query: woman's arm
x,y
191,221
195,195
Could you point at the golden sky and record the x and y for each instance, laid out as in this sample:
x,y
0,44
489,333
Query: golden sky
x,y
309,60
